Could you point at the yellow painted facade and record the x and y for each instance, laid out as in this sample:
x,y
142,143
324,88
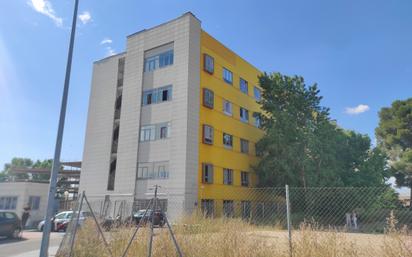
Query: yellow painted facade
x,y
217,154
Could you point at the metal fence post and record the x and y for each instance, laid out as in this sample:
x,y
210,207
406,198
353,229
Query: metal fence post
x,y
288,220
97,224
76,224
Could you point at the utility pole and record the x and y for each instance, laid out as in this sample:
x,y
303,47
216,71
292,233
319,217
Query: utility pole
x,y
56,160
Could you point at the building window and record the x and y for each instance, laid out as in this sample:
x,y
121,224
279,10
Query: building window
x,y
163,132
150,64
208,207
208,98
158,61
143,172
227,76
157,95
227,107
244,178
34,202
243,85
207,134
153,170
208,63
246,207
8,202
148,133
207,173
227,140
143,203
166,59
227,176
260,210
244,114
165,95
244,146
228,208
258,121
147,98
257,93
161,172
155,132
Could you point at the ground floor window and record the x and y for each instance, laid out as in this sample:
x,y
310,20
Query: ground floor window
x,y
8,202
143,204
228,208
208,207
260,210
34,202
246,207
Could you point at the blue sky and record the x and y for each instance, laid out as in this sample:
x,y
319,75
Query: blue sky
x,y
359,52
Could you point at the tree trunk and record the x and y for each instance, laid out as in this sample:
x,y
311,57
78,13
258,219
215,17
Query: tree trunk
x,y
319,163
302,175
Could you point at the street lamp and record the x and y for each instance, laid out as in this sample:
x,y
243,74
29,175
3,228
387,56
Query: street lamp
x,y
56,160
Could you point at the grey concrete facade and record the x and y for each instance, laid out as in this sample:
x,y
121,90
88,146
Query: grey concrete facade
x,y
180,150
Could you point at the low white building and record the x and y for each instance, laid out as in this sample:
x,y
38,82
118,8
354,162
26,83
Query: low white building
x,y
15,195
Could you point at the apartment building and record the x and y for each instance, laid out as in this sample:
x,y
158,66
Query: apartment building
x,y
176,109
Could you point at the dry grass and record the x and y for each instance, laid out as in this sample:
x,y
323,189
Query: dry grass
x,y
200,237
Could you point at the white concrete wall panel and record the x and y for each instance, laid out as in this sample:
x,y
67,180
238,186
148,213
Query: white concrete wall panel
x,y
99,129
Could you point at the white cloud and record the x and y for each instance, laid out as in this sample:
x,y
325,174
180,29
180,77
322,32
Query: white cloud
x,y
106,41
85,17
110,51
357,109
45,7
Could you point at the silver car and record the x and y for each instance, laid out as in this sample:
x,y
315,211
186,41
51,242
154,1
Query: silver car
x,y
61,219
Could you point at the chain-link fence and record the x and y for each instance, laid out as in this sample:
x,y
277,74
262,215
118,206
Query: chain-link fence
x,y
244,222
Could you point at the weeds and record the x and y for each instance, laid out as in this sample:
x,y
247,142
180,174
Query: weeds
x,y
202,237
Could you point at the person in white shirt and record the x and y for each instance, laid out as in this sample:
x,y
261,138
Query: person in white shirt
x,y
348,220
354,220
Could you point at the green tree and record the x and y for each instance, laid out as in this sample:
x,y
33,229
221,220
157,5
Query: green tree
x,y
292,114
303,147
372,171
394,135
18,162
45,164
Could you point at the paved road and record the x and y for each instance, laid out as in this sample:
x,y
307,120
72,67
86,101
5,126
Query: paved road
x,y
28,245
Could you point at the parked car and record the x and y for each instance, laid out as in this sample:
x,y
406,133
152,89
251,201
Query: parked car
x,y
10,224
62,226
61,220
157,216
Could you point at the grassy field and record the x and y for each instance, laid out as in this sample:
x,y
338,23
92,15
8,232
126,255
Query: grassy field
x,y
200,237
